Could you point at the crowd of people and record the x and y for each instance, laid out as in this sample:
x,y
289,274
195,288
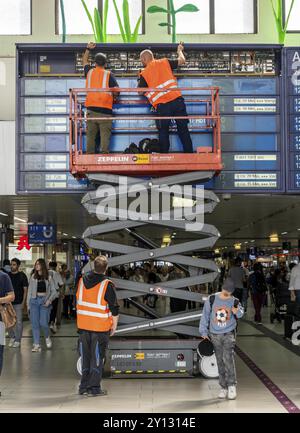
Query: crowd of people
x,y
46,296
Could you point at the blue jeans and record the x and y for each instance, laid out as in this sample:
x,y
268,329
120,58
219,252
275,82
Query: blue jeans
x,y
39,317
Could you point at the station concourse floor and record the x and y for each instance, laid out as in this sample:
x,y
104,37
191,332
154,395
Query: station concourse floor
x,y
48,381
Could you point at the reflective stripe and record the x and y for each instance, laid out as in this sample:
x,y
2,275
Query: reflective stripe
x,y
100,293
159,95
93,314
166,83
99,297
90,78
104,81
90,305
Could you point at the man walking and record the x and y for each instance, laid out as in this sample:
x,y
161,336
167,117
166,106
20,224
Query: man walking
x,y
20,284
97,319
159,73
218,324
98,104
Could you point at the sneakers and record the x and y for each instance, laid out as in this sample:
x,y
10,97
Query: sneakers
x,y
223,393
48,343
36,348
83,392
232,392
11,342
53,328
16,345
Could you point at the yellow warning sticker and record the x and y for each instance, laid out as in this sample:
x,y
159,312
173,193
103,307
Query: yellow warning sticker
x,y
139,356
141,159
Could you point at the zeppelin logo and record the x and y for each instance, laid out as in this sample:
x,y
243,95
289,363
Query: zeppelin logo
x,y
125,356
113,159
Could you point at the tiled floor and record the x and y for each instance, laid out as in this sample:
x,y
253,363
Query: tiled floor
x,y
47,382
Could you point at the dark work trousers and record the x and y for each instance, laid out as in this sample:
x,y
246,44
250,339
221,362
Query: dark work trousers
x,y
238,293
54,310
92,347
174,108
258,301
67,306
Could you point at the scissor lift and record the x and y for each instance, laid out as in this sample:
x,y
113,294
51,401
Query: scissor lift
x,y
130,353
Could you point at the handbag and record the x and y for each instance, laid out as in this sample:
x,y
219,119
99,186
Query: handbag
x,y
8,315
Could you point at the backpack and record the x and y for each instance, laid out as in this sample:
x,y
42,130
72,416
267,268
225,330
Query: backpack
x,y
235,304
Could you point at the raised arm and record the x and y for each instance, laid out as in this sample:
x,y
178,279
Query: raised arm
x,y
181,56
85,58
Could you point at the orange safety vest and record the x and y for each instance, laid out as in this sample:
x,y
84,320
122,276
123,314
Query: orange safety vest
x,y
93,313
98,78
159,74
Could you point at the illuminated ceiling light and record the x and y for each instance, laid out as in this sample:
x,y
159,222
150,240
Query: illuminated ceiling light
x,y
3,214
253,240
274,238
65,234
284,233
20,219
217,251
73,237
237,246
247,242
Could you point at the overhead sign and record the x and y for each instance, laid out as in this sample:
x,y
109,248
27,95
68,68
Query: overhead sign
x,y
41,234
24,244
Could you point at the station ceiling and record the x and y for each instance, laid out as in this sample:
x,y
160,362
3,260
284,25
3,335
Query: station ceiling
x,y
240,219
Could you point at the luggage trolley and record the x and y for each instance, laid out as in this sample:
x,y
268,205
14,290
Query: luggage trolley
x,y
132,354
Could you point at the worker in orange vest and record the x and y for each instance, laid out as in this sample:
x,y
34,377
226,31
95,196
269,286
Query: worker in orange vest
x,y
159,73
100,104
97,319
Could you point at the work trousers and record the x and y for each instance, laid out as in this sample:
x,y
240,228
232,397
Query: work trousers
x,y
94,127
17,331
53,313
224,345
92,347
258,301
174,108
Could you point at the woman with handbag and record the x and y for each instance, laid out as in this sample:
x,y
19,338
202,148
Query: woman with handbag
x,y
7,295
41,293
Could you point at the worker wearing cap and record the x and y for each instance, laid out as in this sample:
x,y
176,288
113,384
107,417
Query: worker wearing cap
x,y
159,73
97,319
98,104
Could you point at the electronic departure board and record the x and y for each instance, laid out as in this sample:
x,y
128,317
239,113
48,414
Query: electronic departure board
x,y
251,101
292,91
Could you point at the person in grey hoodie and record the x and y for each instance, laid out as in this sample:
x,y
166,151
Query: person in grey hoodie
x,y
218,324
41,293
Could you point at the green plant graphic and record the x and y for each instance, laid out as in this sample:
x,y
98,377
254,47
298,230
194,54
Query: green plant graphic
x,y
125,27
172,12
277,8
63,21
99,27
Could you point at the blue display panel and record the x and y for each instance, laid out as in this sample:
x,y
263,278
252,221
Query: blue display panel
x,y
251,124
292,89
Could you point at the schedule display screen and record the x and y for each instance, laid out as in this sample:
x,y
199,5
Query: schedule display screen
x,y
251,103
292,89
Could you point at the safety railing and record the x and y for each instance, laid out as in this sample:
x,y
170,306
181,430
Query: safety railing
x,y
205,157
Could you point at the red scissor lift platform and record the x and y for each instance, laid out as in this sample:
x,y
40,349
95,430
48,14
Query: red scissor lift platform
x,y
152,164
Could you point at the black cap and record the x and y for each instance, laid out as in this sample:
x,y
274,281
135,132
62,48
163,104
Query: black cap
x,y
100,59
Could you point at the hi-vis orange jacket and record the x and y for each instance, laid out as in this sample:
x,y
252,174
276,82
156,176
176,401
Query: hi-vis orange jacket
x,y
93,313
98,78
159,74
